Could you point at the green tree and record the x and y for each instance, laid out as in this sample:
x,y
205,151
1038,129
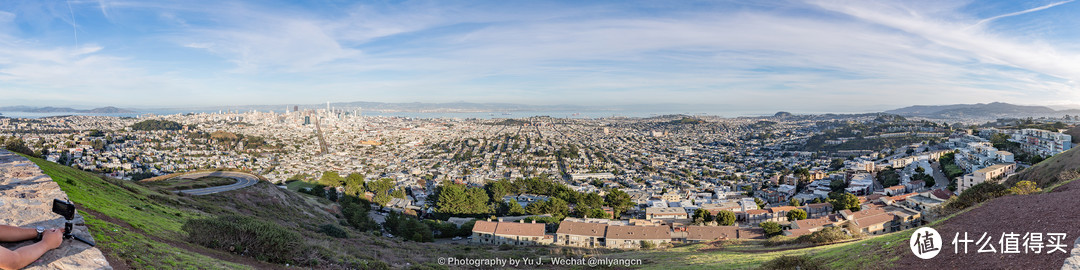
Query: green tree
x,y
585,211
619,201
889,177
156,125
725,218
837,185
841,201
836,164
408,228
591,200
332,195
299,177
802,173
771,228
17,145
381,189
794,202
701,216
354,184
797,214
759,202
515,208
457,199
398,193
553,206
355,211
500,188
331,179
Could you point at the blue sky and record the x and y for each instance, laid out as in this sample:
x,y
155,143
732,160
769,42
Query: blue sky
x,y
809,56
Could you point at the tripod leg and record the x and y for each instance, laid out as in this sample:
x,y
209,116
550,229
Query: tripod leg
x,y
84,240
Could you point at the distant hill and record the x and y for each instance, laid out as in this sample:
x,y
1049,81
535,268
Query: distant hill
x,y
980,110
109,109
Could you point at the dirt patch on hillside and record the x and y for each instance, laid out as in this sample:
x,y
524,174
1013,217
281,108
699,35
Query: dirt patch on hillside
x,y
1054,212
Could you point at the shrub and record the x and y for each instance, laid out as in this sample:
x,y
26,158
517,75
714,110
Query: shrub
x,y
824,236
647,244
408,227
1024,188
466,229
249,237
333,231
979,193
779,240
725,218
771,228
355,211
794,262
796,214
17,145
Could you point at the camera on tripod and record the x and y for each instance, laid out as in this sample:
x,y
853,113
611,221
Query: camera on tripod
x,y
67,209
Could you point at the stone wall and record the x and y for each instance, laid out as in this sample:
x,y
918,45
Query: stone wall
x,y
26,196
1073,261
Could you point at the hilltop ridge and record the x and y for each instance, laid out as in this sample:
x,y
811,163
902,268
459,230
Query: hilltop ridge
x,y
979,110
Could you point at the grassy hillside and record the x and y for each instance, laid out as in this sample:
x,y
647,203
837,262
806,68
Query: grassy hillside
x,y
1052,170
129,226
141,225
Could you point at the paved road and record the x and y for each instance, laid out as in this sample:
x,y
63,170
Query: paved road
x,y
242,180
940,181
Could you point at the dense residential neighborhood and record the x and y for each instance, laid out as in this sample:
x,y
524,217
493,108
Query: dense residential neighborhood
x,y
615,182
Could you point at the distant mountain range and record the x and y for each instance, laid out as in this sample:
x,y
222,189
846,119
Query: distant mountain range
x,y
63,110
981,110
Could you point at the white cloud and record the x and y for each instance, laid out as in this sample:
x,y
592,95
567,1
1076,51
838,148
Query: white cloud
x,y
874,53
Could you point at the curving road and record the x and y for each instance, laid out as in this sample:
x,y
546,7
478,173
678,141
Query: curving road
x,y
242,180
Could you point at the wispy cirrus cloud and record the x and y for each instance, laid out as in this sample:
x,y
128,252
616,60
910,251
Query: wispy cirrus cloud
x,y
811,56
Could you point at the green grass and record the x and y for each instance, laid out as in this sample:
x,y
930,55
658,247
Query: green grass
x,y
132,204
1056,185
140,252
182,184
1046,173
119,199
734,256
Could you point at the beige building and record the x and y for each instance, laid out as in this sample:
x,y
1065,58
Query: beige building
x,y
510,233
665,213
580,234
631,237
696,234
985,174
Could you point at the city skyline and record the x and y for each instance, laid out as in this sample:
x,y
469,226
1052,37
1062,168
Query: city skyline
x,y
801,56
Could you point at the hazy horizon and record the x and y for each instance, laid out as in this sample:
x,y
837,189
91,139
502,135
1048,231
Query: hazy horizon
x,y
799,56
